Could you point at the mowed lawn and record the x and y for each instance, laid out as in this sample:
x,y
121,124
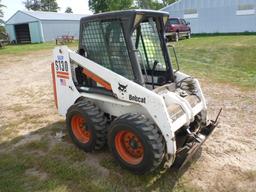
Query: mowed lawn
x,y
43,162
27,48
228,59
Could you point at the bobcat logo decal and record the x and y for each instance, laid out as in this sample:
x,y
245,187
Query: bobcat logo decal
x,y
122,88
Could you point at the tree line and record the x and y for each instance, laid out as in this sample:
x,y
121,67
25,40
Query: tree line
x,y
96,6
44,5
1,12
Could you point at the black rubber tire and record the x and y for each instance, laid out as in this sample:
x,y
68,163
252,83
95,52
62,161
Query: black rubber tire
x,y
168,39
150,136
95,122
177,36
188,35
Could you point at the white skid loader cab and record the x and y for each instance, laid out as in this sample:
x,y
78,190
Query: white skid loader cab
x,y
121,88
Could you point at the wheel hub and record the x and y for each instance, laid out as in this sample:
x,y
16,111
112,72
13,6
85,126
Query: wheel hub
x,y
129,147
79,128
133,143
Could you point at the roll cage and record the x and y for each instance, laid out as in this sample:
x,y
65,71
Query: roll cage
x,y
130,43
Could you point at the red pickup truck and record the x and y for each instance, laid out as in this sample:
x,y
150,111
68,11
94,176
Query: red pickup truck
x,y
177,28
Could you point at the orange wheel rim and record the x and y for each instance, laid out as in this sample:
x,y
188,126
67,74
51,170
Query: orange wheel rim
x,y
79,128
129,147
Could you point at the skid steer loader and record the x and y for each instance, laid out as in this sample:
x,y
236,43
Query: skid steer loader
x,y
120,88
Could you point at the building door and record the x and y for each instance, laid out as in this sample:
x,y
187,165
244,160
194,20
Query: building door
x,y
22,33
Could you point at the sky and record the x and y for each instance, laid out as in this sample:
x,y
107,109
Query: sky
x,y
78,6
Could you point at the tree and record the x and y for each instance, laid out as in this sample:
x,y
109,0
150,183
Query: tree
x,y
148,4
1,12
98,6
119,4
42,5
34,5
68,10
168,2
49,5
152,4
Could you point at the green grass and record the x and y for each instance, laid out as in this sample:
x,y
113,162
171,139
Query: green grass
x,y
60,166
22,49
228,59
72,175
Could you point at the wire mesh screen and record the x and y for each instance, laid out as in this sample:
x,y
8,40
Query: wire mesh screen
x,y
149,45
104,43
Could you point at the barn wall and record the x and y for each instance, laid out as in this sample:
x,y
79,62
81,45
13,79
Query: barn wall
x,y
35,32
215,15
53,29
11,32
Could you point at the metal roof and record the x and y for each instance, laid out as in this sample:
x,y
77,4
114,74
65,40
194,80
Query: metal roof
x,y
41,15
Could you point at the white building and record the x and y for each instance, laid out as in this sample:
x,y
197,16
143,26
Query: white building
x,y
36,26
216,16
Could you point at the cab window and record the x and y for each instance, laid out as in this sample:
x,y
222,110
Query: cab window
x,y
104,43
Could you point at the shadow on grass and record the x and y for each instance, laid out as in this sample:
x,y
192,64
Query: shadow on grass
x,y
42,161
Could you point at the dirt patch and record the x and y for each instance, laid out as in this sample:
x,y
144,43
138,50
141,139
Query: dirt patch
x,y
36,173
228,158
27,139
231,151
27,91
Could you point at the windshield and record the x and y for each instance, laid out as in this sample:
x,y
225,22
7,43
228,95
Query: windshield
x,y
174,21
147,42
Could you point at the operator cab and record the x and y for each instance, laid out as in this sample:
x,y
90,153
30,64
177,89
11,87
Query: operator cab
x,y
130,43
